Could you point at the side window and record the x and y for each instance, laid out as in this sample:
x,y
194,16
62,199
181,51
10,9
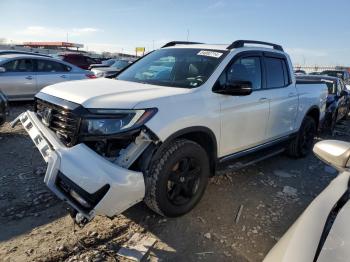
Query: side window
x,y
246,69
275,71
20,65
51,66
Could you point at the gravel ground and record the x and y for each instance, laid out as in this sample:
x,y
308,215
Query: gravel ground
x,y
35,225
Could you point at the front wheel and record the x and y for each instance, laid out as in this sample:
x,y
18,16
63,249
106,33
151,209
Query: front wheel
x,y
178,179
301,145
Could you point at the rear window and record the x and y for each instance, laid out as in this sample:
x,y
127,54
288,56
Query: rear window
x,y
277,74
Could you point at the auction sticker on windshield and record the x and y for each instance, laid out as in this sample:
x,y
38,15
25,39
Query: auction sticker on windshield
x,y
210,53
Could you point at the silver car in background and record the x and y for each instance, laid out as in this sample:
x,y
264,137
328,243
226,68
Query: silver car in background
x,y
22,76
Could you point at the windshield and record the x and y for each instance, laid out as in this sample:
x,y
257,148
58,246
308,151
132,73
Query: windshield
x,y
176,67
120,64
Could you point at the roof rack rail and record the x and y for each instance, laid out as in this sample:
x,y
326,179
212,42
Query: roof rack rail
x,y
241,43
173,43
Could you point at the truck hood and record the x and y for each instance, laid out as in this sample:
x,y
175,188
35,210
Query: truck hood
x,y
110,93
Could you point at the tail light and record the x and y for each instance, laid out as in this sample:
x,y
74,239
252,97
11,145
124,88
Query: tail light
x,y
91,76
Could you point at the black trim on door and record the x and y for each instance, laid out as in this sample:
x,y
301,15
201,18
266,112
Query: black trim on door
x,y
257,148
330,220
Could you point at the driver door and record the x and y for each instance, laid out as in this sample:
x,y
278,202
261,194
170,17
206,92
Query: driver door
x,y
243,118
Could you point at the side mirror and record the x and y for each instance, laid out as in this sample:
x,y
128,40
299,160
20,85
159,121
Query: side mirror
x,y
333,152
235,88
2,69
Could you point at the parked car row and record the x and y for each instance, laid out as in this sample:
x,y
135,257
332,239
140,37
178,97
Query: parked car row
x,y
23,75
77,59
112,70
338,99
342,74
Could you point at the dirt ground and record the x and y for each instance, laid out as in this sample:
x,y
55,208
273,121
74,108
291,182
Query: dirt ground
x,y
36,226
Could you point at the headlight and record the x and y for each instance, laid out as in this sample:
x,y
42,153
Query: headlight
x,y
107,122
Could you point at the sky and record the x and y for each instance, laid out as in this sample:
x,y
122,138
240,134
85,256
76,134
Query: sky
x,y
313,32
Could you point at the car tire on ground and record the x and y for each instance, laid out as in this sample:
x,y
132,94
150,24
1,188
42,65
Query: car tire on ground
x,y
177,180
301,145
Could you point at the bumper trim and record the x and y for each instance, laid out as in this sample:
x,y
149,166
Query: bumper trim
x,y
86,169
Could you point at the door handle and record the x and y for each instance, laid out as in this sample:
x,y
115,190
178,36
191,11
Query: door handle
x,y
29,77
263,99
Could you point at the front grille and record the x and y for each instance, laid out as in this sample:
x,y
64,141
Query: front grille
x,y
60,120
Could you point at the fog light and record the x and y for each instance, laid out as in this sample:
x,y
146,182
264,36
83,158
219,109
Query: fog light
x,y
79,199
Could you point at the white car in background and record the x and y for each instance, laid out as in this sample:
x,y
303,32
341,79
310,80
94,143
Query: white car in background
x,y
22,75
322,232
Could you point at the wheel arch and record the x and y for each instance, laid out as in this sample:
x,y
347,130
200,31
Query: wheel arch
x,y
314,112
202,135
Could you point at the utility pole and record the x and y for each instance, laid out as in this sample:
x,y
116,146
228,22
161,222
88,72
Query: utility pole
x,y
188,34
153,44
67,37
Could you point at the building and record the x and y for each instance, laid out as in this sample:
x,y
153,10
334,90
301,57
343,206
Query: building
x,y
53,45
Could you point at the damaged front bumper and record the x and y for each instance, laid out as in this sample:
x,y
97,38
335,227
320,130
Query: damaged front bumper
x,y
91,184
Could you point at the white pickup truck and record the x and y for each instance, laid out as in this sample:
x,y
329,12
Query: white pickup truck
x,y
158,131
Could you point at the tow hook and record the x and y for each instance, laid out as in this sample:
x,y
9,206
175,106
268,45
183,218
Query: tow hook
x,y
78,218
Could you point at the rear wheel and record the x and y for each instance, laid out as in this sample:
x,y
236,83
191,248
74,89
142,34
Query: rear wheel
x,y
178,179
302,144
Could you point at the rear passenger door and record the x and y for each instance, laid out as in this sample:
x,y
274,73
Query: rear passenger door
x,y
282,95
18,82
50,72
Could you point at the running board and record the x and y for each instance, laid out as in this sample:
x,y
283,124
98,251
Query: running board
x,y
251,159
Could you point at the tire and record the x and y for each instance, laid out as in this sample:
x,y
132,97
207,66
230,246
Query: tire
x,y
177,180
301,145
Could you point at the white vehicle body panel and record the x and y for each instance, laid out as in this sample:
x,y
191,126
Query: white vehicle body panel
x,y
302,238
243,113
85,168
237,123
337,245
109,93
283,111
308,99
